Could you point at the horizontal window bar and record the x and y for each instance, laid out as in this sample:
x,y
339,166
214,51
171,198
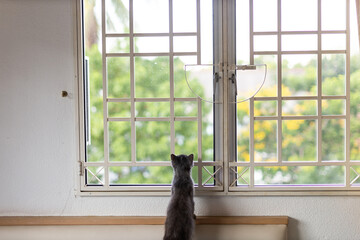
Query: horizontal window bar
x,y
150,34
289,163
300,32
155,54
151,99
300,52
154,119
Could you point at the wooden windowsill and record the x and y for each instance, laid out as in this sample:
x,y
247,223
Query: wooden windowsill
x,y
99,220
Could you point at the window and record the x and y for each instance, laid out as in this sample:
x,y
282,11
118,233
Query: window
x,y
258,92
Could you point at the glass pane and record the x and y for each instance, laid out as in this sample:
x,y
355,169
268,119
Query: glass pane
x,y
243,131
182,8
206,31
242,32
354,176
333,42
118,74
185,44
207,131
141,175
265,43
333,74
269,88
200,80
299,147
299,42
152,77
293,15
151,44
299,75
117,45
206,175
181,87
265,140
265,108
333,107
152,109
299,107
333,139
94,175
249,82
244,176
300,175
151,16
185,109
119,109
119,141
153,141
116,15
333,15
186,138
265,15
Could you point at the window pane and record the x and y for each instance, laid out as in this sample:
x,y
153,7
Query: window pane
x,y
333,107
95,175
152,109
153,141
185,109
119,109
186,138
116,15
333,42
333,74
243,173
333,145
119,141
270,86
265,15
299,42
355,176
183,8
296,146
265,43
300,175
117,45
243,131
151,44
185,44
151,16
118,74
299,75
299,107
333,15
265,108
152,77
293,15
265,140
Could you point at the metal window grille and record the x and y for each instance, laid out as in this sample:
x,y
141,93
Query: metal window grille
x,y
230,173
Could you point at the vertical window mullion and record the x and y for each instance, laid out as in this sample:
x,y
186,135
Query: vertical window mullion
x,y
132,83
105,93
171,72
319,88
347,92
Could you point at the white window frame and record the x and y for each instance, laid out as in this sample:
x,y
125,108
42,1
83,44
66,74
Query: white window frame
x,y
225,114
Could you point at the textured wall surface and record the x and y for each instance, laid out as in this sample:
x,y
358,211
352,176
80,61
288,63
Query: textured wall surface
x,y
38,141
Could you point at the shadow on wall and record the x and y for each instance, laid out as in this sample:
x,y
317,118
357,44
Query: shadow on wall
x,y
293,229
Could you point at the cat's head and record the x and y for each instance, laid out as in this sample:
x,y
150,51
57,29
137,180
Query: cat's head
x,y
182,162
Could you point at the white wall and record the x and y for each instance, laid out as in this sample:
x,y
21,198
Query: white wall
x,y
38,140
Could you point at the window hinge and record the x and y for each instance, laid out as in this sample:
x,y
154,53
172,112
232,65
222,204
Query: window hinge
x,y
82,168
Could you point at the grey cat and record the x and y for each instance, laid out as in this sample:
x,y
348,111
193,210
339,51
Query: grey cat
x,y
180,219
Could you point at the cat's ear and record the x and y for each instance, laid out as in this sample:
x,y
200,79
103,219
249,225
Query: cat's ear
x,y
191,157
172,157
